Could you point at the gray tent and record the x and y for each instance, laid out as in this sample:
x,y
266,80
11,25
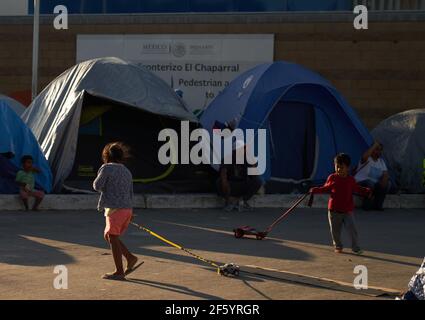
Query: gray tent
x,y
404,148
55,115
16,106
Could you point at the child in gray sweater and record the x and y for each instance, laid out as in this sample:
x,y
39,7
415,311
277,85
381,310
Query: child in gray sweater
x,y
115,184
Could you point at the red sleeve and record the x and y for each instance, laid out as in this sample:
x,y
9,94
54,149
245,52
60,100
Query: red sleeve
x,y
360,190
326,188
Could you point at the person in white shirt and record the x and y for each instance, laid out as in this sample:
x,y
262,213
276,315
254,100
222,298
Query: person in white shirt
x,y
372,173
416,285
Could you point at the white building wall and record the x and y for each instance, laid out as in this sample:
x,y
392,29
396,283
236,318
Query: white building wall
x,y
13,7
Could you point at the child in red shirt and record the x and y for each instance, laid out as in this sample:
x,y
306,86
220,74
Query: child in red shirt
x,y
341,187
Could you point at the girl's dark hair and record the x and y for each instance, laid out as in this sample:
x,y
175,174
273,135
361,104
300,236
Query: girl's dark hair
x,y
343,158
115,152
26,158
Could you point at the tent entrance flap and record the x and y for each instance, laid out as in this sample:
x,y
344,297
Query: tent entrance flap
x,y
138,129
103,122
292,124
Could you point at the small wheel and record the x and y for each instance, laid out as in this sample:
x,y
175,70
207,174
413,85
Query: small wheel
x,y
259,237
239,233
225,273
236,273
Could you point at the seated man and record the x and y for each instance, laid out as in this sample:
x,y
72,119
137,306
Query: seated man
x,y
235,183
416,285
373,173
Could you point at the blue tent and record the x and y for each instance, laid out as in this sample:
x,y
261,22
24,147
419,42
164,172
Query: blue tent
x,y
13,104
307,121
17,140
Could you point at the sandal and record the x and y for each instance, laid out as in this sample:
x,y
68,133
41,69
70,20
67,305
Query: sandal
x,y
113,276
129,270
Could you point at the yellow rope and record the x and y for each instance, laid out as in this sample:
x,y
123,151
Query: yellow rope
x,y
175,245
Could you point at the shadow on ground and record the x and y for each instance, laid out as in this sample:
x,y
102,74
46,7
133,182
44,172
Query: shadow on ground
x,y
391,232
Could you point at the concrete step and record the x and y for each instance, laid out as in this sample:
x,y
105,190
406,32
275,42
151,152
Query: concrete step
x,y
197,201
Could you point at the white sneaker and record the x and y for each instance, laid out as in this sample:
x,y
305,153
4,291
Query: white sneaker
x,y
230,207
244,206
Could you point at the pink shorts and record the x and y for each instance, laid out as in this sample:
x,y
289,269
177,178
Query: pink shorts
x,y
117,222
35,193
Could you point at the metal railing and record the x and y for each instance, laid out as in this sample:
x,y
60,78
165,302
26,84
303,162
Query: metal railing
x,y
384,5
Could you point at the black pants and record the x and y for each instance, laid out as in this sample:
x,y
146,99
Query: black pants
x,y
409,295
379,194
245,189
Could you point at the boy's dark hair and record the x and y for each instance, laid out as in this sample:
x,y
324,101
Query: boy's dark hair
x,y
343,158
115,152
25,158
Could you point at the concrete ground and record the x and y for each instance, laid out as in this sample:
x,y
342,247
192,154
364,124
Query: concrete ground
x,y
32,244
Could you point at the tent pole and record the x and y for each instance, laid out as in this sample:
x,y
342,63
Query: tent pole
x,y
35,49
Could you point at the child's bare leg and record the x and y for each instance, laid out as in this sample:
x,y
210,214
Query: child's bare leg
x,y
25,202
131,258
37,203
24,197
117,254
38,195
125,252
